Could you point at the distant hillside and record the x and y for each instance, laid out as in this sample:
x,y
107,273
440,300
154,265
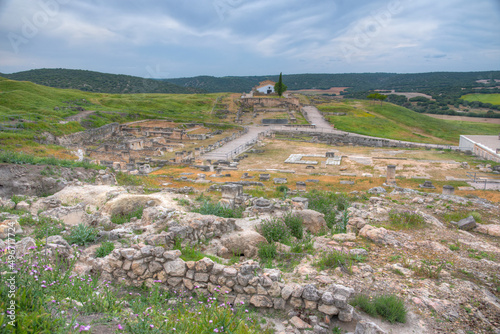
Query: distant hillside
x,y
97,82
357,81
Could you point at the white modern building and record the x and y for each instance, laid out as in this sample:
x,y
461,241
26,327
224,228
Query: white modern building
x,y
486,147
265,87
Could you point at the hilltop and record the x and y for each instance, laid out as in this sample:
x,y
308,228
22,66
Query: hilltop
x,y
90,81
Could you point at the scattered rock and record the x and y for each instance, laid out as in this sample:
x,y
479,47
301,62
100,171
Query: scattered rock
x,y
377,190
368,327
491,229
467,224
299,323
244,242
313,220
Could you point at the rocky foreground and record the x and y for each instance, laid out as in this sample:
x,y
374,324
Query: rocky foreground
x,y
447,272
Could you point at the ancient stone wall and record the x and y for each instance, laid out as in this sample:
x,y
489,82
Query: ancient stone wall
x,y
290,103
240,283
346,139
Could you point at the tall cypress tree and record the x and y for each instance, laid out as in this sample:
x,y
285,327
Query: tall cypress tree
x,y
280,87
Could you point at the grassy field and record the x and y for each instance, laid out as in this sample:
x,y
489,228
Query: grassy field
x,y
485,98
395,122
38,108
28,109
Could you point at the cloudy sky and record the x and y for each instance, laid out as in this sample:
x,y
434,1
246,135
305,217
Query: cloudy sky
x,y
175,38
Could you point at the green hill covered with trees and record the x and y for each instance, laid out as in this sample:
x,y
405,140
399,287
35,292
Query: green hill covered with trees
x,y
358,82
90,81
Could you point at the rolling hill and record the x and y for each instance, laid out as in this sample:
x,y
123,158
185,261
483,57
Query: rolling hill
x,y
357,81
33,108
90,81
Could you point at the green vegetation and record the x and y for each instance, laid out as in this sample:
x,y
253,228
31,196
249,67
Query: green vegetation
x,y
295,225
429,269
275,230
484,98
267,251
406,220
280,87
28,110
459,215
338,258
330,204
192,253
123,217
49,299
104,249
377,96
124,179
389,307
44,226
82,235
395,122
90,81
433,83
287,230
217,209
20,158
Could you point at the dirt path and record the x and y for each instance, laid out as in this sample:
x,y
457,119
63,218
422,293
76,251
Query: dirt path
x,y
314,117
81,115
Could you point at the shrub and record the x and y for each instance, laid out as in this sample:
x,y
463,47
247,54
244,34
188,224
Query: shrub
x,y
105,249
406,219
335,258
123,218
82,235
217,209
282,189
295,225
389,307
275,230
16,199
267,251
328,203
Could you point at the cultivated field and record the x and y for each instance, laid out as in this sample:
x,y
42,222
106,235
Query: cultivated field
x,y
485,98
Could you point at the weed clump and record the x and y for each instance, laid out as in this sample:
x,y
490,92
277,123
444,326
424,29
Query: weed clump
x,y
82,235
105,249
330,204
338,258
406,220
217,209
123,218
389,307
267,251
295,224
275,230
